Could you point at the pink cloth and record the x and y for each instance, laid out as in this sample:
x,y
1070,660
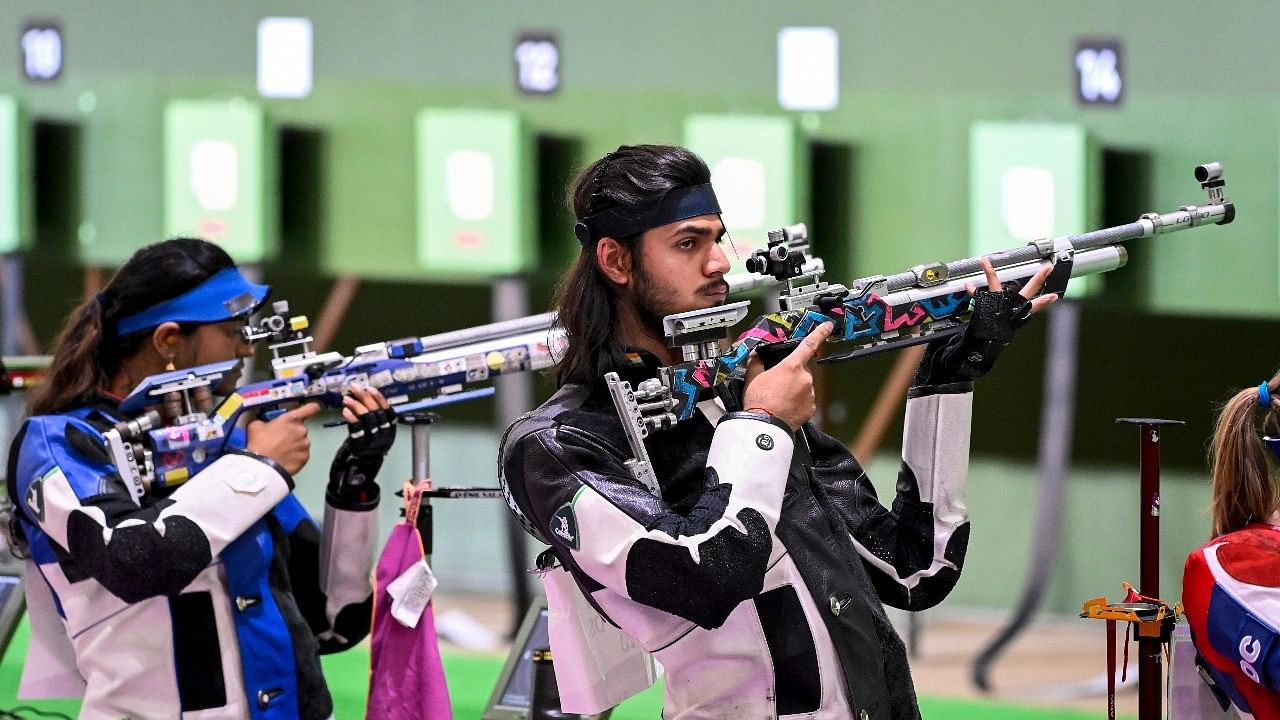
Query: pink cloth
x,y
406,676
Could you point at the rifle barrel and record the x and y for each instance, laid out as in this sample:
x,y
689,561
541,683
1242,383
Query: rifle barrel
x,y
1152,224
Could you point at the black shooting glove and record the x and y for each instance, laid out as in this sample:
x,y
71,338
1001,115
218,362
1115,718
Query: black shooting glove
x,y
969,355
351,477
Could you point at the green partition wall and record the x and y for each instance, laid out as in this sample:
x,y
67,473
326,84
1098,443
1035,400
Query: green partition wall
x,y
896,191
14,187
474,195
913,82
757,166
1029,181
218,186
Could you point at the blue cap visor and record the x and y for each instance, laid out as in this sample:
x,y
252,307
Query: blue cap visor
x,y
225,296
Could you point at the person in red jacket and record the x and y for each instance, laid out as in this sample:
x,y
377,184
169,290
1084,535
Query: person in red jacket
x,y
1231,584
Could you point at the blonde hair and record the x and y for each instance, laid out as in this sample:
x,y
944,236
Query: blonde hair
x,y
1244,468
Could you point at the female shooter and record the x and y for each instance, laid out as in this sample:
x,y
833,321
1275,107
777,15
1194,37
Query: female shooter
x,y
1231,585
216,596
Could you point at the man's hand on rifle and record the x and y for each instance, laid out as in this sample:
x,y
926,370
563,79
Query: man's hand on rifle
x,y
785,391
997,313
1028,291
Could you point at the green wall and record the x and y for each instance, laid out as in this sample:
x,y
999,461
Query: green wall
x,y
914,77
1190,319
889,166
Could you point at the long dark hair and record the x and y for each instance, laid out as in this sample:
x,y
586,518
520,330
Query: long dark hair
x,y
631,176
87,352
1244,479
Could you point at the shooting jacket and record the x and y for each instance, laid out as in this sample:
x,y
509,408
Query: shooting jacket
x,y
757,578
1231,589
211,601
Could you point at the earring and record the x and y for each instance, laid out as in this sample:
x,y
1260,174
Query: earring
x,y
170,341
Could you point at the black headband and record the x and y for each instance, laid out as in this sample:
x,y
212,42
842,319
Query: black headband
x,y
677,204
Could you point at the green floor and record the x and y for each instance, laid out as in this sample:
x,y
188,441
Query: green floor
x,y
471,677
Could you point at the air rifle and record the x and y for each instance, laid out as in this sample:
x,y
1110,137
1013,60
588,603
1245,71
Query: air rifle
x,y
22,372
871,315
178,427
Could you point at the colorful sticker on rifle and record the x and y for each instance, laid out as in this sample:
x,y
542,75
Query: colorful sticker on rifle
x,y
810,321
870,315
946,305
178,437
451,366
564,524
685,392
516,359
864,317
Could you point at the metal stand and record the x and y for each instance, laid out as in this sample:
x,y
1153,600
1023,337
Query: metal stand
x,y
13,327
514,398
420,431
1054,461
1150,652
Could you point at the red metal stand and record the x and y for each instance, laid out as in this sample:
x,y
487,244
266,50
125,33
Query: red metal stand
x,y
1150,650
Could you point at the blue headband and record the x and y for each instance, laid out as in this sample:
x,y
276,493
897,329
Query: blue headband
x,y
1274,444
224,296
677,204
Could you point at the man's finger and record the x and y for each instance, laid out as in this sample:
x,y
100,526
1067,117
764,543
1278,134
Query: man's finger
x,y
755,365
807,347
993,280
302,413
1036,282
1042,302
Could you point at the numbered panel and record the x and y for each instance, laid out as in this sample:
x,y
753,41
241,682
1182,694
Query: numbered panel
x,y
474,195
42,53
756,169
1099,72
13,204
216,165
808,68
284,57
1029,181
537,59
